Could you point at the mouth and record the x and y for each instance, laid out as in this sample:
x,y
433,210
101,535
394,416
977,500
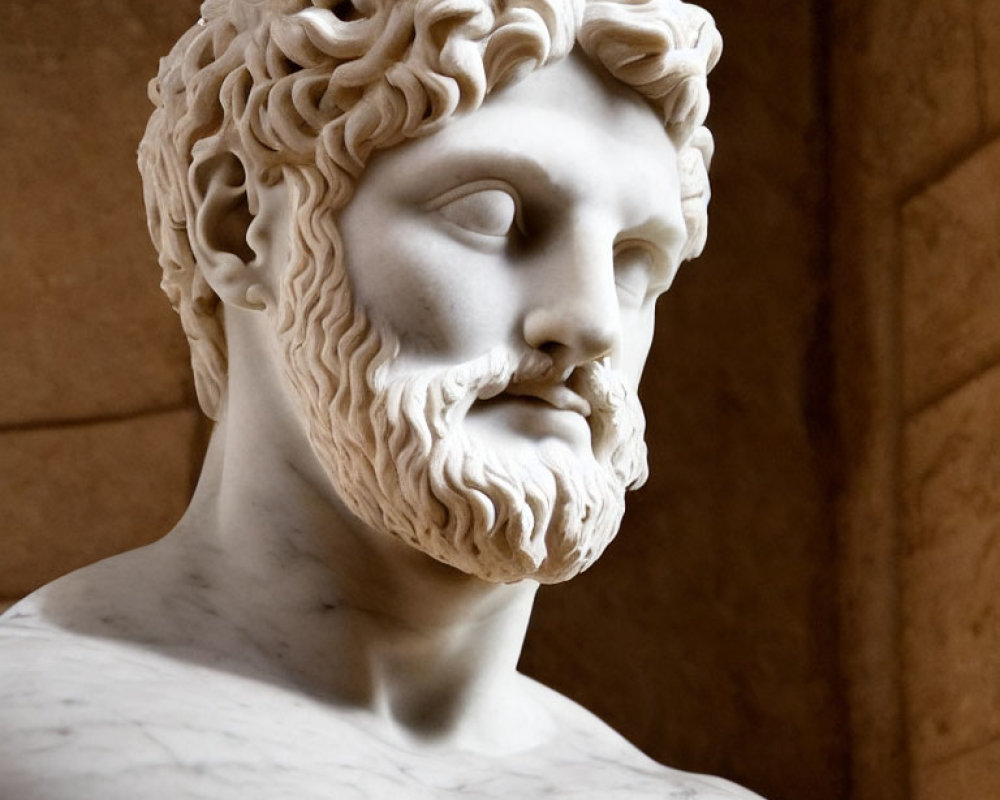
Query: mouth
x,y
557,396
538,409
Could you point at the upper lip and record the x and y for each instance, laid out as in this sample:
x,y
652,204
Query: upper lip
x,y
557,395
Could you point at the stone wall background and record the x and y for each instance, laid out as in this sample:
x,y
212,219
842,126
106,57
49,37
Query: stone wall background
x,y
915,168
99,433
802,598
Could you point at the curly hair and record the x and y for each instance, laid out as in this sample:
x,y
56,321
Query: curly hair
x,y
306,90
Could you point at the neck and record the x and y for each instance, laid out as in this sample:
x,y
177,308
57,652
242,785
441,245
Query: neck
x,y
327,604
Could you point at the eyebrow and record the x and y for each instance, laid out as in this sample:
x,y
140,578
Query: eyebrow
x,y
661,229
470,164
475,163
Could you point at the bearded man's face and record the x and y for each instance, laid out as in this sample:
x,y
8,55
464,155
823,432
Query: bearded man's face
x,y
478,397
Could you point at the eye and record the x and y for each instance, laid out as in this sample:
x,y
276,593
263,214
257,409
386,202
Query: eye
x,y
489,208
635,265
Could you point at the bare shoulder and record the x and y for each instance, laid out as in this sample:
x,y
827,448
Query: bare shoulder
x,y
620,765
94,718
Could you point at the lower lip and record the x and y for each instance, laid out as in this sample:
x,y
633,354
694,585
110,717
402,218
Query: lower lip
x,y
533,418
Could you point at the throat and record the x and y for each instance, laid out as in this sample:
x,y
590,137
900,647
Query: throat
x,y
352,616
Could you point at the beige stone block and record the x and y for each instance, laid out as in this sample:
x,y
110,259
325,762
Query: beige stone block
x,y
951,571
951,278
928,98
85,329
974,775
74,494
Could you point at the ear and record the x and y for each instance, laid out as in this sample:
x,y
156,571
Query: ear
x,y
223,231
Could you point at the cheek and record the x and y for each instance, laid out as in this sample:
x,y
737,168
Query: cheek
x,y
637,336
441,304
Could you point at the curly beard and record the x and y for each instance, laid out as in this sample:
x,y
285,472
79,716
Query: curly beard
x,y
400,454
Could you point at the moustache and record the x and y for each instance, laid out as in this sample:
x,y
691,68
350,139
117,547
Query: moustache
x,y
592,389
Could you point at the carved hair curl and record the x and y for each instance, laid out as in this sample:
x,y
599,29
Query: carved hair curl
x,y
313,87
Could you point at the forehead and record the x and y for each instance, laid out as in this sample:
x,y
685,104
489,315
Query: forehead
x,y
568,128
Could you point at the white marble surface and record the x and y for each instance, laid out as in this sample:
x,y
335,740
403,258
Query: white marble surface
x,y
426,405
93,719
168,699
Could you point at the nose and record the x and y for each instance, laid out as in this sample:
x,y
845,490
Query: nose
x,y
573,313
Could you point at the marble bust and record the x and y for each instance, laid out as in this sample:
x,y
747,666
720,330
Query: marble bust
x,y
416,249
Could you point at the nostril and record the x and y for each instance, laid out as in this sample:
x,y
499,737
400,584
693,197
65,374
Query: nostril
x,y
569,336
598,340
